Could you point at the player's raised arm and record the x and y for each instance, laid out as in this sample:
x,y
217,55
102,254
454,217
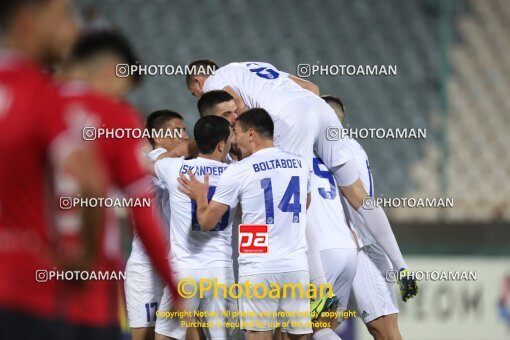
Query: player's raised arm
x,y
307,85
76,247
208,213
187,150
375,220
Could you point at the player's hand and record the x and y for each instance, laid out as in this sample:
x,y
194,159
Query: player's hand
x,y
326,321
193,187
407,284
187,150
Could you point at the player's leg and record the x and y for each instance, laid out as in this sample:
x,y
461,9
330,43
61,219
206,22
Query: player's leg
x,y
295,308
143,333
257,318
195,333
385,328
376,299
144,290
257,335
171,327
214,302
340,267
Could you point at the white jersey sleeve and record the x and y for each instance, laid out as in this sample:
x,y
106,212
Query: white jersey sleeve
x,y
365,174
165,169
259,84
161,209
229,186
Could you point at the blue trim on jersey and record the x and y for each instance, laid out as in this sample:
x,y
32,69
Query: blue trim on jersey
x,y
371,193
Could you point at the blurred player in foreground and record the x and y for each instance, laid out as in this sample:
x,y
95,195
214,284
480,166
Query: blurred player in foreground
x,y
374,297
143,286
273,199
95,91
196,253
303,124
40,154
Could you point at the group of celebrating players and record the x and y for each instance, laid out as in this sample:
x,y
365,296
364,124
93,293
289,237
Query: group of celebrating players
x,y
260,156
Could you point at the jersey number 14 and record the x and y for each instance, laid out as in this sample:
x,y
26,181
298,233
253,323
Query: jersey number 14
x,y
291,194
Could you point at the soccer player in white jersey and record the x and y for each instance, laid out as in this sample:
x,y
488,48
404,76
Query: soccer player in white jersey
x,y
374,297
143,287
196,253
220,103
304,123
272,187
338,249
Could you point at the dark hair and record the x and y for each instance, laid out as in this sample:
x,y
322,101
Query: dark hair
x,y
258,120
199,67
335,100
93,43
156,120
210,99
209,131
9,8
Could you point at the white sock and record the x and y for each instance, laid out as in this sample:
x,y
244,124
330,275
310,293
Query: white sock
x,y
325,334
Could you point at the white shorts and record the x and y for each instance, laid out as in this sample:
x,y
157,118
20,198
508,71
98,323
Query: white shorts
x,y
340,267
309,124
373,296
144,289
171,327
260,314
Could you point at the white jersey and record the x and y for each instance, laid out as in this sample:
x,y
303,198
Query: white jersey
x,y
190,247
326,214
258,84
272,186
303,122
161,199
360,157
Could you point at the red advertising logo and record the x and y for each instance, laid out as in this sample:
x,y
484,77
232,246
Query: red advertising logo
x,y
253,238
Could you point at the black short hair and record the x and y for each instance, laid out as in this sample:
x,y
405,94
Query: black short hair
x,y
209,131
9,8
156,120
210,99
199,67
335,100
258,120
95,42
